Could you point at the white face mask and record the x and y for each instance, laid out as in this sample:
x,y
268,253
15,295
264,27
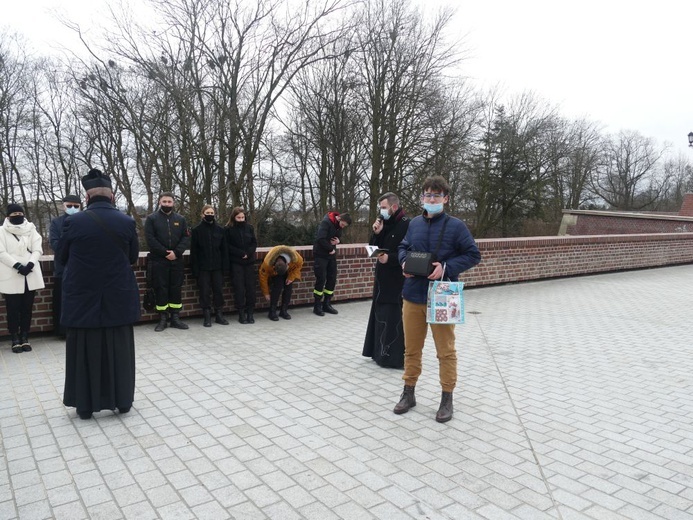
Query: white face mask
x,y
385,213
71,211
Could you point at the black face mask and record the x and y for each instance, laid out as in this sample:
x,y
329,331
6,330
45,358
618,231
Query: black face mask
x,y
17,220
167,209
209,218
239,223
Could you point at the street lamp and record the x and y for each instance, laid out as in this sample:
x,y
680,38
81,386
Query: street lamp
x,y
690,139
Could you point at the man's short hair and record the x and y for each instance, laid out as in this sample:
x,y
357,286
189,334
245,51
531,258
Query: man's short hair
x,y
167,194
392,199
437,184
345,217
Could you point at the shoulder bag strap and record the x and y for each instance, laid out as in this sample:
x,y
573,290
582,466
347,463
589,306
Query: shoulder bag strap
x,y
109,231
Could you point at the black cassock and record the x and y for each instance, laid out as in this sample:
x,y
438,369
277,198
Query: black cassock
x,y
384,336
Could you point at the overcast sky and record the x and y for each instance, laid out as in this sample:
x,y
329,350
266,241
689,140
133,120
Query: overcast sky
x,y
625,64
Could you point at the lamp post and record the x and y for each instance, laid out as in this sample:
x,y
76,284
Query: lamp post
x,y
690,139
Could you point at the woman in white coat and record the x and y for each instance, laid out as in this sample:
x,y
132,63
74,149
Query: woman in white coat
x,y
20,273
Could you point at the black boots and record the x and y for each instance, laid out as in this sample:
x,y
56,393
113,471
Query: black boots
x,y
242,319
16,344
445,411
207,320
163,322
176,323
249,313
219,318
284,312
406,401
327,306
273,313
24,339
317,307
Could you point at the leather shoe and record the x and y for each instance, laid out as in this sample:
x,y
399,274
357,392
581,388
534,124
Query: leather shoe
x,y
406,401
445,411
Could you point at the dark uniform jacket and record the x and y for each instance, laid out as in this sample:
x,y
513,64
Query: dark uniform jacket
x,y
55,231
457,251
207,248
388,276
99,285
166,232
328,229
240,240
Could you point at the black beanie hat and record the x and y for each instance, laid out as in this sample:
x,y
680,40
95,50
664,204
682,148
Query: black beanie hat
x,y
14,208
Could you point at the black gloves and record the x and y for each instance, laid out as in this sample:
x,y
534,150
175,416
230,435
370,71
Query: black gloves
x,y
26,269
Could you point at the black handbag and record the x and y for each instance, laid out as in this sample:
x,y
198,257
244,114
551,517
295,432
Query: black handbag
x,y
420,263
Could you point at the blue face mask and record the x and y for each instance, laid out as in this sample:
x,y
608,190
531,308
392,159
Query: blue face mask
x,y
385,213
433,209
71,211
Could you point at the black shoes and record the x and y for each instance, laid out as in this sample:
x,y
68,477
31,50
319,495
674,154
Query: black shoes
x,y
284,312
273,314
219,318
207,320
163,322
16,344
85,416
176,323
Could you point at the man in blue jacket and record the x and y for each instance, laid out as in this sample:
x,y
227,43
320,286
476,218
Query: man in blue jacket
x,y
454,251
72,204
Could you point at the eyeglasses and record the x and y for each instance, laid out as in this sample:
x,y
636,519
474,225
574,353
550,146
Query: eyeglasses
x,y
430,196
72,205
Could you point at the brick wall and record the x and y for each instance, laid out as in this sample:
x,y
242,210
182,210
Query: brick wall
x,y
504,261
589,222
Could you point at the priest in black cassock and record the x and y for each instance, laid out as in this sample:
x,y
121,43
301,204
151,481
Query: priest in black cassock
x,y
100,302
384,335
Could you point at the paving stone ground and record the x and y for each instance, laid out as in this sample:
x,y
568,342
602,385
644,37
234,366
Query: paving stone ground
x,y
575,401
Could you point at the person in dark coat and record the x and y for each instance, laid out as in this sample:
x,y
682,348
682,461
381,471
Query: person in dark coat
x,y
454,251
207,257
100,302
241,243
384,336
325,260
71,205
168,237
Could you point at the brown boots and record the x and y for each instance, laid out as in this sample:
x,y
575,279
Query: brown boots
x,y
408,400
445,411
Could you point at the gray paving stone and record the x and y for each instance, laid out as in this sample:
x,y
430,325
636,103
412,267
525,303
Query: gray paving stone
x,y
563,397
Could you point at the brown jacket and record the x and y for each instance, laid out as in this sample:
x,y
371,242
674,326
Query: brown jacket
x,y
267,268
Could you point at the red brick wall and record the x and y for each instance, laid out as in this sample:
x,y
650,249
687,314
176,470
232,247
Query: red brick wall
x,y
503,261
588,222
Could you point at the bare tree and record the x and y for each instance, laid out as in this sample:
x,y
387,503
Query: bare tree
x,y
629,177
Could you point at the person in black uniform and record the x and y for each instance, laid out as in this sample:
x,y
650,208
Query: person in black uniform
x,y
168,237
101,302
325,260
384,335
207,257
71,205
241,242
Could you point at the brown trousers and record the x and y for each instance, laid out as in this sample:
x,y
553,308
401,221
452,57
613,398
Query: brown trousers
x,y
415,331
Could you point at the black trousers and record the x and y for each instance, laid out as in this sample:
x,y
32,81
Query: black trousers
x,y
243,279
19,310
278,287
325,270
57,305
210,286
167,280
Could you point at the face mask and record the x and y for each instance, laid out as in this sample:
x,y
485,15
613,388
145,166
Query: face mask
x,y
385,213
433,209
209,218
17,220
166,209
240,223
71,211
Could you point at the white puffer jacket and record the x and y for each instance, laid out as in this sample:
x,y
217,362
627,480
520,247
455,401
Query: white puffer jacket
x,y
19,243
